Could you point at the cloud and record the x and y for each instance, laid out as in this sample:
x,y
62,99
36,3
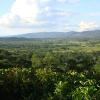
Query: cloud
x,y
62,1
9,20
22,11
64,13
25,13
44,0
84,26
94,14
9,31
47,9
69,1
25,9
37,15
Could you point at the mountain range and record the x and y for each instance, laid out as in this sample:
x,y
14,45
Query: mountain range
x,y
71,34
95,34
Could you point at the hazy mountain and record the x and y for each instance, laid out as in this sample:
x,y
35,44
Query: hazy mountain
x,y
72,34
45,35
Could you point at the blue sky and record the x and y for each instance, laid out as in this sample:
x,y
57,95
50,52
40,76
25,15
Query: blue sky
x,y
25,16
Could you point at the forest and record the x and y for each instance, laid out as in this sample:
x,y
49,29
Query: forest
x,y
49,69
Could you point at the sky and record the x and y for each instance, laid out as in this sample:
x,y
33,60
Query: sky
x,y
29,16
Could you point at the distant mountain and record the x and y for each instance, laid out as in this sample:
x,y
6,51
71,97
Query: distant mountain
x,y
45,35
72,34
87,34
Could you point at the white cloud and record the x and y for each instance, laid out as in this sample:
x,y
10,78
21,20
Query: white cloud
x,y
44,0
74,1
94,14
63,13
10,31
37,15
62,1
47,8
59,13
69,1
24,11
83,26
9,20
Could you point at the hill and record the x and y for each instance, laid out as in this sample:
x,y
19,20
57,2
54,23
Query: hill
x,y
72,34
95,34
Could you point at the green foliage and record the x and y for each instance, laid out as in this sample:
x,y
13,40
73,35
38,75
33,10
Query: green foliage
x,y
46,84
11,59
49,69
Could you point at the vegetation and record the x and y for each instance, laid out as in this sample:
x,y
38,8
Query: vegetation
x,y
49,69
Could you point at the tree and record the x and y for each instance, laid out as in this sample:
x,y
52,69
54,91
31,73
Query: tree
x,y
36,61
50,60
